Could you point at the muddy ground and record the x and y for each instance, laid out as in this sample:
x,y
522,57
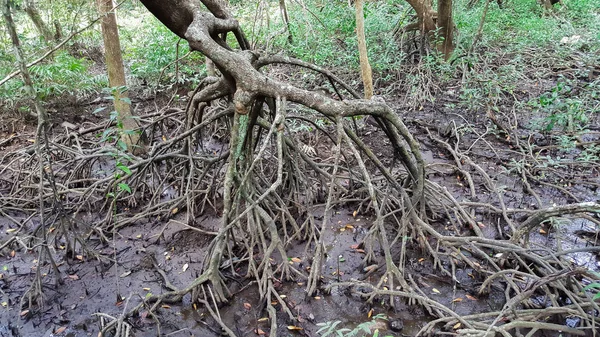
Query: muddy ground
x,y
112,277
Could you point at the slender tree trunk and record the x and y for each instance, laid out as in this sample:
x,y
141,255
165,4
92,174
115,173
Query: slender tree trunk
x,y
446,28
40,113
365,67
286,19
36,18
116,73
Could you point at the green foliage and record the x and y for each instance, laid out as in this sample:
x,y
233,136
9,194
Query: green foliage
x,y
568,106
333,329
148,53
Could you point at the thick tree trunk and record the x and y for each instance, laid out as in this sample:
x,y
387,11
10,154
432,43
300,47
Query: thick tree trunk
x,y
36,18
446,28
365,67
116,73
425,13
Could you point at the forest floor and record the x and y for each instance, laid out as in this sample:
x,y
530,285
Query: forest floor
x,y
496,141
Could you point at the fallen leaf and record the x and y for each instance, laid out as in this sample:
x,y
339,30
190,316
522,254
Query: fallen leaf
x,y
435,291
13,253
354,246
421,259
283,296
354,214
362,251
259,332
139,236
459,299
481,225
342,229
73,277
146,289
60,330
293,327
456,326
79,257
174,210
165,306
274,302
349,227
264,319
4,304
296,259
542,231
185,267
471,297
370,313
24,312
317,297
10,230
164,138
248,306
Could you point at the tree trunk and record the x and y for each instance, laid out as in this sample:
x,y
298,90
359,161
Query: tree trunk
x,y
36,18
424,10
365,67
286,19
116,74
446,28
40,113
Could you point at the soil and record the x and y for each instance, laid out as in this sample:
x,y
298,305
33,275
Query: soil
x,y
111,277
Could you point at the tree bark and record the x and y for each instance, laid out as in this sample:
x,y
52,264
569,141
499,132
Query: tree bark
x,y
36,18
446,28
116,74
40,113
424,10
365,67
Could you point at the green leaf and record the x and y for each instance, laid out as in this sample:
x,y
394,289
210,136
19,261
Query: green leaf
x,y
126,100
591,286
121,145
124,168
99,110
124,187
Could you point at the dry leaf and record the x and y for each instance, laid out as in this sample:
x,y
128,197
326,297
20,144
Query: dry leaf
x,y
10,230
354,214
146,289
165,306
274,302
481,225
459,299
317,297
342,229
259,332
349,227
164,138
248,306
174,210
264,319
362,251
370,313
185,267
79,257
139,236
60,330
293,327
421,259
471,297
354,246
542,231
73,277
24,312
435,291
456,326
13,253
296,259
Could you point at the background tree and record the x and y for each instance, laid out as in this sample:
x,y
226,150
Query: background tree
x,y
365,67
36,18
116,74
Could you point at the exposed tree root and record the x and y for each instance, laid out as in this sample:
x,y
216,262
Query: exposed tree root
x,y
265,183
